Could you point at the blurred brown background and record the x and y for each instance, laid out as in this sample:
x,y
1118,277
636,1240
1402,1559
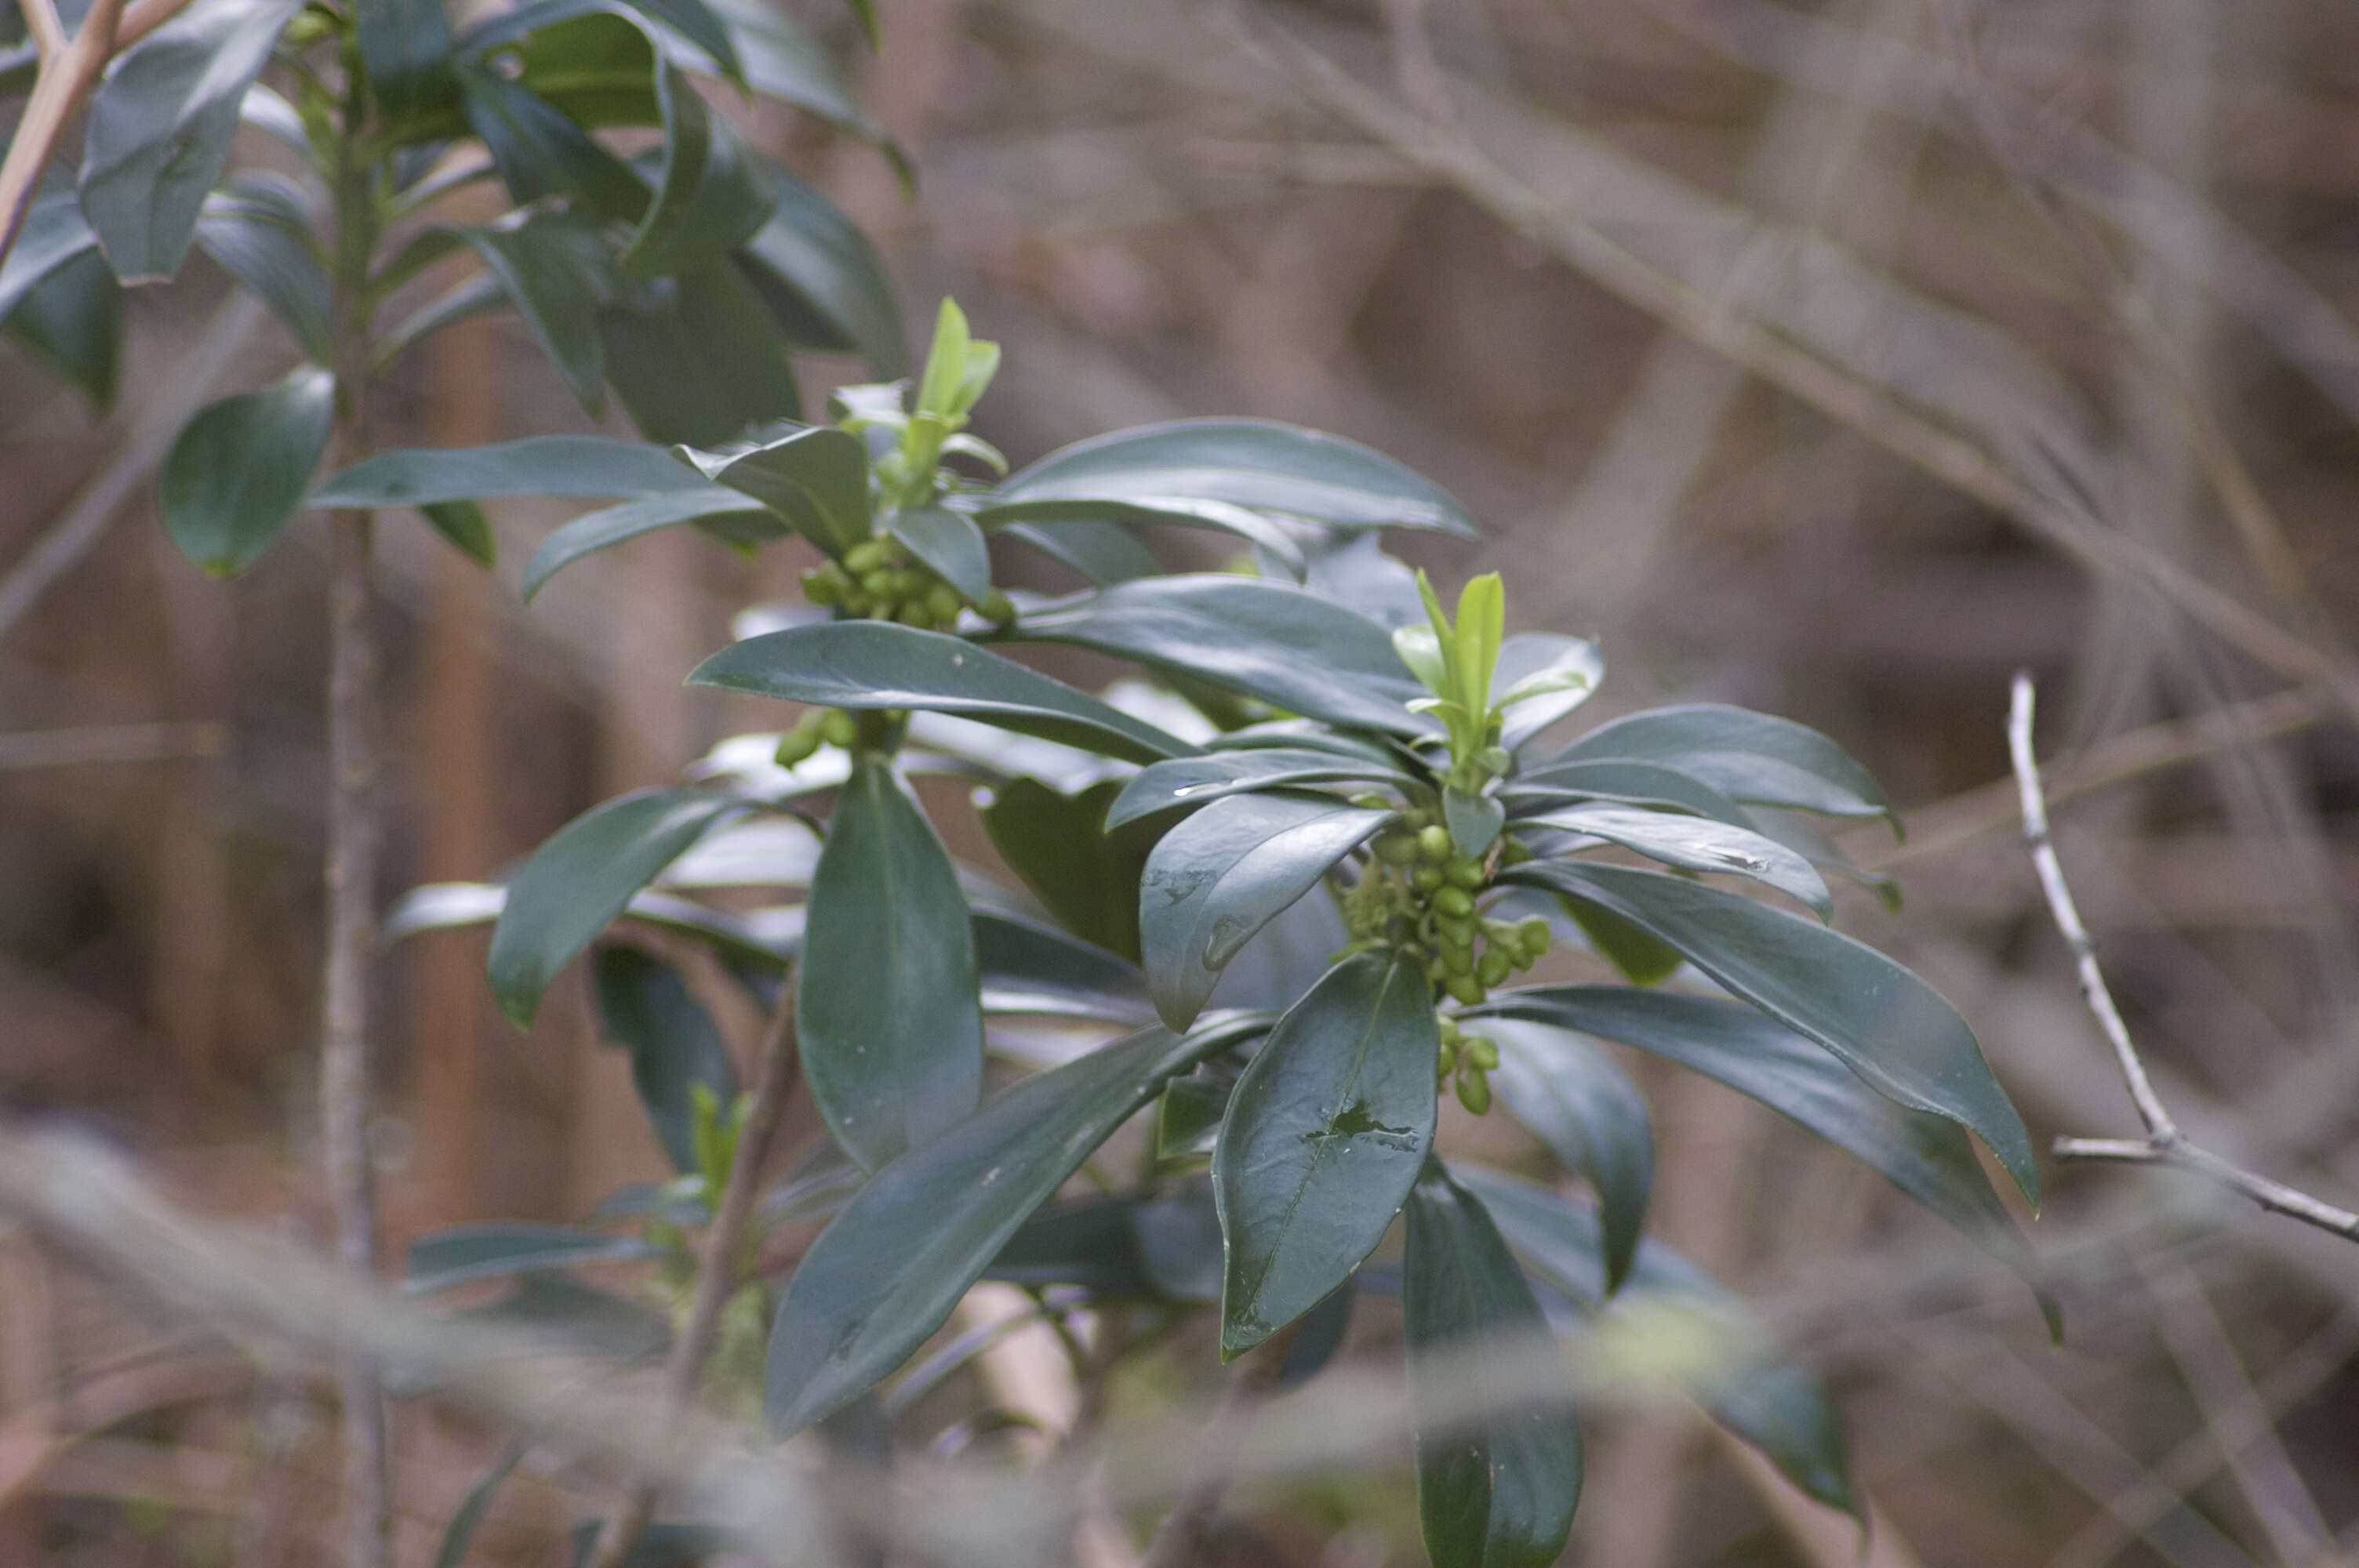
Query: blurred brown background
x,y
2103,248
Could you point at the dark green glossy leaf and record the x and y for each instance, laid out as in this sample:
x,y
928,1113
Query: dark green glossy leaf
x,y
1748,1385
710,197
1283,645
783,60
1540,677
745,945
1220,875
949,543
541,154
886,996
823,281
695,357
406,48
1200,780
1498,1491
73,319
816,478
1643,960
580,879
1627,783
1098,552
54,233
257,228
597,68
550,268
1090,1243
461,1533
1697,843
1590,1116
237,471
1926,1156
878,664
1028,967
159,129
886,1273
1888,1026
465,525
1246,462
1323,1138
1265,534
537,465
1188,1119
1474,820
1749,757
696,22
645,1006
441,1258
1085,875
595,531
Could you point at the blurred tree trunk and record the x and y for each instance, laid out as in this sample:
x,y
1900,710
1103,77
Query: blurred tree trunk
x,y
454,794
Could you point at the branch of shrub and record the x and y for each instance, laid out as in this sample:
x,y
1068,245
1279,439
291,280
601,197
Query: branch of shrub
x,y
720,1269
2164,1143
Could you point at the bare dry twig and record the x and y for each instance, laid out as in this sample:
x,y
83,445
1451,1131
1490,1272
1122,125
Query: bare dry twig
x,y
2164,1144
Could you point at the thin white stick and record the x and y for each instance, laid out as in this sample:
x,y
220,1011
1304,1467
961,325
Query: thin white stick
x,y
2159,1125
2163,1144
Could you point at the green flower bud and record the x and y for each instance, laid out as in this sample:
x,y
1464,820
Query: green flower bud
x,y
1465,873
1481,1052
1447,1027
1433,842
1455,929
1474,1092
840,729
1424,878
1494,966
857,601
944,601
1396,848
1465,988
916,614
1371,800
1513,853
865,556
1453,901
1457,962
878,584
796,746
1446,1061
821,585
999,609
1532,933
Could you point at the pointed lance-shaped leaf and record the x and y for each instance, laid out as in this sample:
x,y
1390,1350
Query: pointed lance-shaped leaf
x,y
577,882
1698,844
816,478
1246,462
870,664
237,471
611,525
257,227
645,1006
1926,1156
1222,875
1747,1383
73,319
1498,1490
886,1003
1587,1113
823,282
535,465
1323,1138
886,1273
1282,645
1198,781
1750,757
159,129
1888,1026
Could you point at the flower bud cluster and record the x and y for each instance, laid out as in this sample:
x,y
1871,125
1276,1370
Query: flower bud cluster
x,y
1419,894
878,579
